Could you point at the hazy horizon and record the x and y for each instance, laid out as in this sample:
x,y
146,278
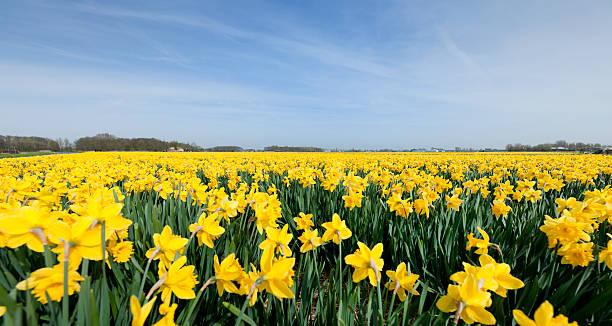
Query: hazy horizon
x,y
345,74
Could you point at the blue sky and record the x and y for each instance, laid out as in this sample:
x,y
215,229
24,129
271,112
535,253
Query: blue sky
x,y
335,74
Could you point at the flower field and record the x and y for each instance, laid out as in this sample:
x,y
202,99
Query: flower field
x,y
306,239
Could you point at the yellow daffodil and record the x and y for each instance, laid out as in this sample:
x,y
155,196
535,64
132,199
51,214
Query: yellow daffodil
x,y
569,203
493,276
166,245
267,210
577,254
98,207
178,280
353,199
168,312
277,240
421,206
303,221
84,241
277,276
140,314
336,230
500,208
272,190
401,281
401,207
26,225
605,255
226,273
121,251
227,208
453,202
367,263
469,301
565,229
50,280
482,244
207,229
542,317
247,284
501,275
310,240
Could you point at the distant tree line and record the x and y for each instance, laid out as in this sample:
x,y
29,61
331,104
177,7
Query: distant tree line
x,y
560,145
108,142
14,144
292,149
65,144
225,149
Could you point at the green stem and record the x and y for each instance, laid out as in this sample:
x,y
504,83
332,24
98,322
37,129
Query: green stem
x,y
340,262
48,257
391,307
244,305
144,274
65,298
103,306
136,265
246,302
193,302
192,305
339,276
85,267
380,308
314,260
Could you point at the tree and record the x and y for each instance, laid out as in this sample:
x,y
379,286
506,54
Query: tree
x,y
107,142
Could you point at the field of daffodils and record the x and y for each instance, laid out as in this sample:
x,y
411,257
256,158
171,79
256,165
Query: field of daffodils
x,y
306,239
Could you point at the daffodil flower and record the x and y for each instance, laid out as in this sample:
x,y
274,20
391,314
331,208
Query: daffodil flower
x,y
367,263
543,316
166,246
206,229
336,230
178,280
226,272
50,280
140,313
401,282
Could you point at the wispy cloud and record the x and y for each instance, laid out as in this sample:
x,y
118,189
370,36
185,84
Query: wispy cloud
x,y
44,49
315,49
457,52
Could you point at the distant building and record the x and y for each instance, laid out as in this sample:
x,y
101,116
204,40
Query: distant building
x,y
177,149
559,149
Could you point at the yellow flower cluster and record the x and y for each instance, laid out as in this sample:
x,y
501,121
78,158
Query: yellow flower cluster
x,y
577,220
92,228
469,298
